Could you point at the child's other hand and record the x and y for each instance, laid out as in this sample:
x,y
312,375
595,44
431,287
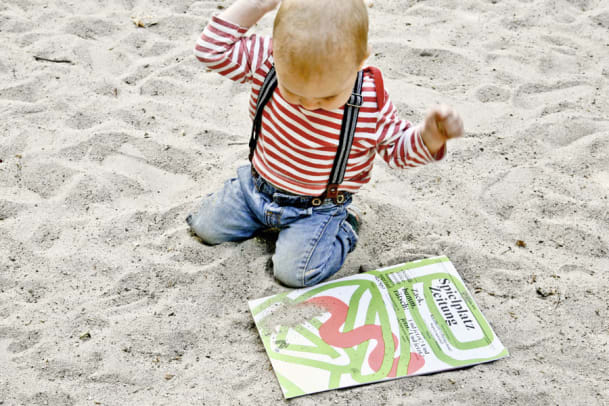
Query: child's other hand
x,y
247,12
441,123
267,5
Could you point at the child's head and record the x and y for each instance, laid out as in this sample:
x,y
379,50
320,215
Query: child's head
x,y
318,47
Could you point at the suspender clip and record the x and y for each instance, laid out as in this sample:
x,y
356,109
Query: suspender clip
x,y
332,191
356,100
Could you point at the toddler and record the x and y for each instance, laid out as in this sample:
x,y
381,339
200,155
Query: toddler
x,y
319,117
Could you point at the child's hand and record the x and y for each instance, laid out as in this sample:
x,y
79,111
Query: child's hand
x,y
268,5
247,12
441,123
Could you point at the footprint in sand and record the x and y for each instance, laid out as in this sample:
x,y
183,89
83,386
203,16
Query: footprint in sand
x,y
90,28
21,340
28,90
45,178
534,95
492,93
437,64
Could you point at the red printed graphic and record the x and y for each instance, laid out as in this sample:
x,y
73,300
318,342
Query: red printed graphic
x,y
416,362
331,334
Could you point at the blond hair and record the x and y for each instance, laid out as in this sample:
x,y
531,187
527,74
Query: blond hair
x,y
312,34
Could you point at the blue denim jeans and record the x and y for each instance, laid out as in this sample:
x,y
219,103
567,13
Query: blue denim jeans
x,y
313,242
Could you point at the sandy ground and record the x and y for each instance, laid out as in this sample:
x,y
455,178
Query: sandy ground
x,y
106,299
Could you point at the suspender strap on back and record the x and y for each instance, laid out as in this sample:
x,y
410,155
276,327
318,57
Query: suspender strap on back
x,y
265,94
347,133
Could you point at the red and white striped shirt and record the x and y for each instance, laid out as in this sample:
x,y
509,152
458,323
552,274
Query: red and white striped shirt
x,y
296,146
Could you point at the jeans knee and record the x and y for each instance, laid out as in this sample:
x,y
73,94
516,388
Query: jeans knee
x,y
288,272
295,274
204,233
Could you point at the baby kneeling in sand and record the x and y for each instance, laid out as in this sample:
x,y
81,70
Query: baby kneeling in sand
x,y
319,119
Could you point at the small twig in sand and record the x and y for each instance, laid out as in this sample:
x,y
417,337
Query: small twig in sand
x,y
140,23
558,302
40,58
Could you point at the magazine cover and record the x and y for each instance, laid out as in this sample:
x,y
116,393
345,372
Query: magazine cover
x,y
408,319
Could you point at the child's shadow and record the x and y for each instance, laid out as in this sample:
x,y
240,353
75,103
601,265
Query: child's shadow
x,y
268,237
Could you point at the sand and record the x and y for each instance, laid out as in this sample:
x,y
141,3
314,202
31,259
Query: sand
x,y
105,297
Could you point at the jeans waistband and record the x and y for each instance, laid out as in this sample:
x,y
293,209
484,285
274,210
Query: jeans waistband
x,y
285,198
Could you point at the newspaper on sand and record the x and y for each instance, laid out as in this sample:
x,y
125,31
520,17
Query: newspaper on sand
x,y
409,319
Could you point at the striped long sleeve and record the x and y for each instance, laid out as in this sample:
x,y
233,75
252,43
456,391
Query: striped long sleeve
x,y
399,142
223,48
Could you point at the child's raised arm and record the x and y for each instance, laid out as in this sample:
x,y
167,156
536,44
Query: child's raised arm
x,y
403,145
222,46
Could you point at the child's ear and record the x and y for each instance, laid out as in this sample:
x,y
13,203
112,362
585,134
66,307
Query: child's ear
x,y
361,65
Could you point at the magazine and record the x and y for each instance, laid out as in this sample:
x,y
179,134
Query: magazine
x,y
408,319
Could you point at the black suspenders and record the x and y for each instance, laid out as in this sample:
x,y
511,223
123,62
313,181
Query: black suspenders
x,y
265,94
347,133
